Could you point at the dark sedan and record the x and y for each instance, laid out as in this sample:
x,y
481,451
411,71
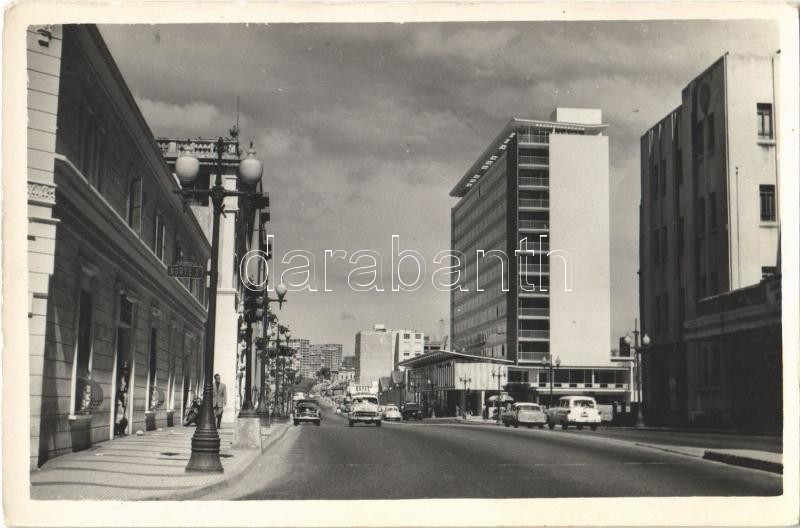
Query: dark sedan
x,y
412,411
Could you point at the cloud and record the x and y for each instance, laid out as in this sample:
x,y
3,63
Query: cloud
x,y
347,316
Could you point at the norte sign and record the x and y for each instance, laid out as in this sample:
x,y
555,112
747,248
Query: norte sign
x,y
185,270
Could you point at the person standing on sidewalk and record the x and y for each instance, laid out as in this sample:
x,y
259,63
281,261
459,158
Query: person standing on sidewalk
x,y
220,399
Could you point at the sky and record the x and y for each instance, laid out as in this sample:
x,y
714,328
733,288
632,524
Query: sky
x,y
364,129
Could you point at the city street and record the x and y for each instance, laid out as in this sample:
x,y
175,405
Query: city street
x,y
449,460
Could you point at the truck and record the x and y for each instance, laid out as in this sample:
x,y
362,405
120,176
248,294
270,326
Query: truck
x,y
364,408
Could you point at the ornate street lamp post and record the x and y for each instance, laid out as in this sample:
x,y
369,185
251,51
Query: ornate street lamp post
x,y
205,442
638,351
549,364
465,380
499,375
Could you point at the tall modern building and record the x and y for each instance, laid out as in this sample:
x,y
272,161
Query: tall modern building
x,y
709,227
540,185
374,354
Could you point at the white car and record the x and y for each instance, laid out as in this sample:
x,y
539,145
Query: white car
x,y
574,410
391,412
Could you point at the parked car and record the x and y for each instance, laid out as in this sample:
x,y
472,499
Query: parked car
x,y
391,412
307,411
412,411
527,414
574,410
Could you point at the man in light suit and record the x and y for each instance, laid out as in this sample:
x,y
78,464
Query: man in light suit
x,y
220,399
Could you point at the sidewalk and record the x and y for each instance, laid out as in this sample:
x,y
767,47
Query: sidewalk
x,y
147,467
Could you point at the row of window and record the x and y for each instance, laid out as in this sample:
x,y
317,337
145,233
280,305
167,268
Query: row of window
x,y
703,141
659,237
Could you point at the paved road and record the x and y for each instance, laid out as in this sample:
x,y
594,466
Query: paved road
x,y
430,460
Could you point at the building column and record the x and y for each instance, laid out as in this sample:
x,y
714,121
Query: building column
x,y
226,341
41,134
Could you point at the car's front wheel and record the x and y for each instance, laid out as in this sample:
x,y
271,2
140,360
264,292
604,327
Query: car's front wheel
x,y
295,422
551,425
350,423
593,427
378,423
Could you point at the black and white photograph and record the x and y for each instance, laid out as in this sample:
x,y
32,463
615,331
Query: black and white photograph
x,y
334,265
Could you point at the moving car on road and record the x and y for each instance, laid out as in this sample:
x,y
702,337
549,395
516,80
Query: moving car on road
x,y
527,414
307,411
412,411
574,410
364,409
391,412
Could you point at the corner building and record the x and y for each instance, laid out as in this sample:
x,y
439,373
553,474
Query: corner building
x,y
544,183
115,343
709,236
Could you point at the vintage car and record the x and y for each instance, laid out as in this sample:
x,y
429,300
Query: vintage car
x,y
306,411
391,412
412,411
526,414
574,410
364,409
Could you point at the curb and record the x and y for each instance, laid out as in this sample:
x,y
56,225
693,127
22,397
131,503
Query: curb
x,y
742,461
698,430
724,458
224,482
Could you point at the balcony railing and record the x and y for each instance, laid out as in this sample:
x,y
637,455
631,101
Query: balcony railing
x,y
532,356
533,160
201,148
534,181
534,224
534,312
533,289
540,203
534,334
533,138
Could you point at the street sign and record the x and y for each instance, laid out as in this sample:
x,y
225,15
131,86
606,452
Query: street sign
x,y
185,271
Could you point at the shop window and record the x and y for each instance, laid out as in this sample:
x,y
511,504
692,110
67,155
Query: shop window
x,y
83,355
151,368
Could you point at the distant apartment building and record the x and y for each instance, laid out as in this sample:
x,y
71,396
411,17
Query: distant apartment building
x,y
407,344
540,185
348,362
304,360
374,354
330,356
709,228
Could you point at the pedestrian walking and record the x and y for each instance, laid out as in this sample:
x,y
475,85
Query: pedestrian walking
x,y
220,399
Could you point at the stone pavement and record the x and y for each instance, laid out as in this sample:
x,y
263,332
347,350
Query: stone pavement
x,y
147,467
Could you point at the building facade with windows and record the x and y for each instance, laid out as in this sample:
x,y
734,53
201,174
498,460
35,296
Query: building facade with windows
x,y
330,356
374,354
115,343
532,228
709,225
407,344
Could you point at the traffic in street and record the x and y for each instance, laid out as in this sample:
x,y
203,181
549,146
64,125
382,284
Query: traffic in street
x,y
445,459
